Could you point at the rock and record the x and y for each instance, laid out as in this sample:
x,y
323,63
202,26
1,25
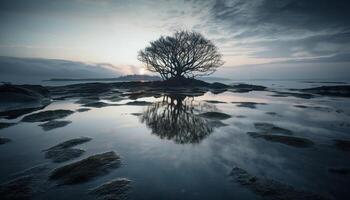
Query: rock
x,y
17,189
271,129
283,139
23,93
26,184
139,103
114,190
300,106
339,170
137,94
338,90
242,88
86,169
271,113
343,145
47,115
87,100
215,115
271,189
6,125
64,151
13,114
214,101
83,109
17,100
136,114
4,140
248,104
54,124
292,94
97,104
318,108
63,155
71,143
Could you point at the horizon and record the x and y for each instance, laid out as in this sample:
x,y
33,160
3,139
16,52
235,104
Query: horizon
x,y
259,40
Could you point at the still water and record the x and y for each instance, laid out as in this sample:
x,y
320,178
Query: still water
x,y
169,151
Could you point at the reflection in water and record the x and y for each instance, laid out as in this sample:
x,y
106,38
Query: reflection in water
x,y
174,118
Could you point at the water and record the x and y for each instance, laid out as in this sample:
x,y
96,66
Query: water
x,y
168,152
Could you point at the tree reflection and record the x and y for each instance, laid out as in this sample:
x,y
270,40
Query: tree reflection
x,y
174,118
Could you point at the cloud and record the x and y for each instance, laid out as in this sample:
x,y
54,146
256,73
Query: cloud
x,y
29,70
247,32
276,28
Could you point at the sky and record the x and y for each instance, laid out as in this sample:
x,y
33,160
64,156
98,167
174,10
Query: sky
x,y
258,38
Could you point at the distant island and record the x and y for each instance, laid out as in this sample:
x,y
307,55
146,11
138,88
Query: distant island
x,y
133,77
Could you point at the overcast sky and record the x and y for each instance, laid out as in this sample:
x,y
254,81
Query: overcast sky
x,y
312,35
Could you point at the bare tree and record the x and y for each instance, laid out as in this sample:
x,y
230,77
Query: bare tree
x,y
185,54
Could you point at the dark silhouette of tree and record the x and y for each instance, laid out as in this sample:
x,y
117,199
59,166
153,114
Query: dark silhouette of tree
x,y
173,118
183,55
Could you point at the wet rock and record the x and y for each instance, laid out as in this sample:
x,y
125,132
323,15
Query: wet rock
x,y
215,115
83,109
292,94
248,104
97,104
139,103
114,190
214,101
318,108
54,124
86,169
137,94
13,114
37,171
17,189
240,116
47,115
25,184
338,90
136,114
343,145
71,143
271,113
271,129
300,106
283,139
63,155
87,100
4,140
339,170
6,125
64,151
242,88
271,189
17,100
83,90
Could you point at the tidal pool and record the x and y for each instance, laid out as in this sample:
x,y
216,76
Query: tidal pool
x,y
169,150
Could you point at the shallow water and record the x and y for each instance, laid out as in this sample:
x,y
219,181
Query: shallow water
x,y
169,152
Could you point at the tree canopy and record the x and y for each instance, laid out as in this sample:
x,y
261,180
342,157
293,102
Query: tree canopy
x,y
183,55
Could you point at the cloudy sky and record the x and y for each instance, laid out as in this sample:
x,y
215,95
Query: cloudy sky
x,y
258,38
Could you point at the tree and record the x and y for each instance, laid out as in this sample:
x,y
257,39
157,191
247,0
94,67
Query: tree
x,y
183,55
